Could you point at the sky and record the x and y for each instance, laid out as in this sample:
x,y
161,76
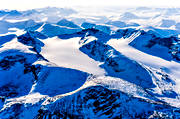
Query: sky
x,y
30,4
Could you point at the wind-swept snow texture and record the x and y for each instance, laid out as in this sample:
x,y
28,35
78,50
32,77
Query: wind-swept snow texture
x,y
84,63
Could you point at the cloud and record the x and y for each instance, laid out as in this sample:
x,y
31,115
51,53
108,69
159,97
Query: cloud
x,y
30,4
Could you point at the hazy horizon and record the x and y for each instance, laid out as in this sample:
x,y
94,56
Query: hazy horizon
x,y
32,4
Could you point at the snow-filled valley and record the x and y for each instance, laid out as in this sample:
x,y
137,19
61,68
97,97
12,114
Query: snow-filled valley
x,y
66,53
88,63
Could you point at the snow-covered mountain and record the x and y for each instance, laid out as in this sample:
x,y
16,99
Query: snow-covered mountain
x,y
64,63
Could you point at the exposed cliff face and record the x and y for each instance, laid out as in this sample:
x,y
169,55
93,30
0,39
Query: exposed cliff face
x,y
93,102
100,102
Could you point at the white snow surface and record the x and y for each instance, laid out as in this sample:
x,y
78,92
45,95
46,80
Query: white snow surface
x,y
65,53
